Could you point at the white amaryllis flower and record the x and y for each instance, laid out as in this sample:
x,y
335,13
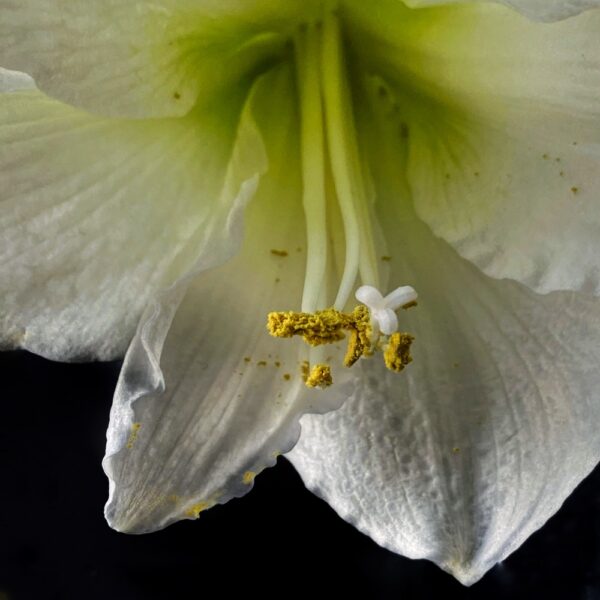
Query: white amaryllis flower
x,y
449,146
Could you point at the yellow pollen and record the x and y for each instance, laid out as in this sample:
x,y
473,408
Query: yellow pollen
x,y
330,326
195,510
135,428
412,304
360,336
281,253
322,327
320,376
326,327
248,477
397,353
305,370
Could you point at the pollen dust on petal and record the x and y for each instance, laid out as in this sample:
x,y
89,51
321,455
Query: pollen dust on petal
x,y
248,477
195,510
135,428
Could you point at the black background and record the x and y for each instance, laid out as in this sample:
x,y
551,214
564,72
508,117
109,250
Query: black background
x,y
277,541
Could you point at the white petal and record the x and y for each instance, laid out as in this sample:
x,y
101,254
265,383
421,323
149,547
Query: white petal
x,y
96,215
541,10
215,396
480,440
501,118
147,58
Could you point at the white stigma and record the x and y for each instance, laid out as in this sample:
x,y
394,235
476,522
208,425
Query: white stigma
x,y
383,309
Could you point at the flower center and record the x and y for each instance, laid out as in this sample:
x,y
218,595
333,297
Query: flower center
x,y
334,182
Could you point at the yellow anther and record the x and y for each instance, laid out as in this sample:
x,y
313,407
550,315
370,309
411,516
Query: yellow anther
x,y
322,327
320,376
397,352
326,327
360,328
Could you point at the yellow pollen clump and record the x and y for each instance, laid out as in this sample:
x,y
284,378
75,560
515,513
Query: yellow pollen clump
x,y
320,376
322,327
280,253
326,327
397,352
360,335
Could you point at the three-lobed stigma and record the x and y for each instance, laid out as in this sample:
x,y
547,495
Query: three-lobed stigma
x,y
370,326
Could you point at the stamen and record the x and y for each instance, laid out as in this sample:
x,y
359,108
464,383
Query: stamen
x,y
346,165
313,163
329,326
333,170
320,376
326,327
360,336
397,352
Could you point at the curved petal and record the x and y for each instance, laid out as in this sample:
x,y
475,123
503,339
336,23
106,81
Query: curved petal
x,y
502,117
479,441
207,399
540,10
140,59
98,214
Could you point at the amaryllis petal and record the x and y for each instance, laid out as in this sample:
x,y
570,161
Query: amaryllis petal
x,y
140,59
501,120
540,10
480,439
98,214
392,145
207,399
